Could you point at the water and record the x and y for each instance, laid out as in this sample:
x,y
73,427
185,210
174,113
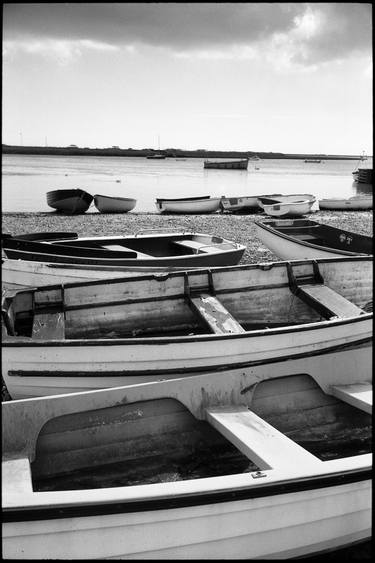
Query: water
x,y
27,178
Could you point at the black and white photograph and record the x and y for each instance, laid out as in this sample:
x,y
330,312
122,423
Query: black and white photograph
x,y
187,280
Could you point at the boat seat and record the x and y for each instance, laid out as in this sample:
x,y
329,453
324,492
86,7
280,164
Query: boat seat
x,y
258,440
120,248
17,476
49,326
196,246
358,395
328,302
214,314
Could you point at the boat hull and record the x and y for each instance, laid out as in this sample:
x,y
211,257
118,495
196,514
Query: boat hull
x,y
244,204
293,209
281,526
354,204
209,205
228,165
285,248
70,202
106,204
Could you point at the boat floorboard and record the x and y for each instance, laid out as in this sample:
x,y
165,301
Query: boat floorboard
x,y
215,315
49,326
258,440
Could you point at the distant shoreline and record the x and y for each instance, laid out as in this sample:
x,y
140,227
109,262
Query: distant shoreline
x,y
168,153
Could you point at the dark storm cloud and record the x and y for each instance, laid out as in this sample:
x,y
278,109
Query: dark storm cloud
x,y
344,28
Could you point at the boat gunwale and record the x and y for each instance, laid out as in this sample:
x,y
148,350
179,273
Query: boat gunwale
x,y
175,499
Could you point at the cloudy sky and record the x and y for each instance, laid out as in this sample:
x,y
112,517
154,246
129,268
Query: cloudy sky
x,y
289,77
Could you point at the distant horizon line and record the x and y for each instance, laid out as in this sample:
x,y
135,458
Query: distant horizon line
x,y
179,150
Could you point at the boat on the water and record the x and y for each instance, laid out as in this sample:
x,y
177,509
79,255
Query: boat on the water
x,y
227,164
189,205
315,160
354,203
107,204
308,316
302,238
70,202
243,204
216,466
156,156
364,175
146,249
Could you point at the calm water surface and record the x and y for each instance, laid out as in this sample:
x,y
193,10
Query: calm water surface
x,y
27,178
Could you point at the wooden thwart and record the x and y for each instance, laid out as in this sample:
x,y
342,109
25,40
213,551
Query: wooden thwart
x,y
327,301
258,440
49,326
197,246
215,314
358,395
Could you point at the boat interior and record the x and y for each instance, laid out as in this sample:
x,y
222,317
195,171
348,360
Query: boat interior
x,y
220,301
152,245
180,435
323,235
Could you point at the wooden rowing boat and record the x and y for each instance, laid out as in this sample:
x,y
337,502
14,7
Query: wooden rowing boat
x,y
217,466
148,249
288,317
355,203
189,205
70,202
243,204
303,238
227,164
106,204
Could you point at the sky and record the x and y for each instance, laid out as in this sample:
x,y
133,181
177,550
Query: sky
x,y
272,77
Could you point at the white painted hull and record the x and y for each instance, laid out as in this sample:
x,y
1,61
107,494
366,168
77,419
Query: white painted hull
x,y
293,209
281,526
243,203
106,204
38,274
338,350
189,206
355,203
287,198
288,250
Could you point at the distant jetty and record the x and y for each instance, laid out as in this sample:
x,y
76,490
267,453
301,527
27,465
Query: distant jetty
x,y
167,153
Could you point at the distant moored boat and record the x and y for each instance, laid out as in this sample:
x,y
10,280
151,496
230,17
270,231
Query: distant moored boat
x,y
69,201
228,164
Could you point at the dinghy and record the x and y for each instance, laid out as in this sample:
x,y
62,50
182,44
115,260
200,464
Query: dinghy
x,y
243,204
189,205
150,249
106,204
355,203
70,202
292,208
218,466
303,238
227,164
308,316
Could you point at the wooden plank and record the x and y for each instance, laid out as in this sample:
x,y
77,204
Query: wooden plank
x,y
215,314
17,476
258,440
322,296
49,326
358,395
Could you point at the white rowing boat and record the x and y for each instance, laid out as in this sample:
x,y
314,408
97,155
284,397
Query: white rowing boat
x,y
355,203
189,205
302,238
300,317
219,466
106,204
